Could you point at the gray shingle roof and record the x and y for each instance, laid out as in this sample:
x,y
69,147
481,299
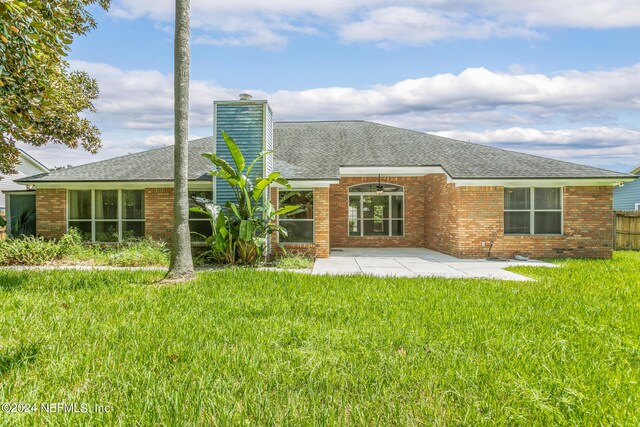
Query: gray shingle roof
x,y
150,165
317,150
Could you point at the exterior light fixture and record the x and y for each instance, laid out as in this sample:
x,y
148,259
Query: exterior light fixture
x,y
379,187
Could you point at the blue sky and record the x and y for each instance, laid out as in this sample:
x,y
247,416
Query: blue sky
x,y
551,78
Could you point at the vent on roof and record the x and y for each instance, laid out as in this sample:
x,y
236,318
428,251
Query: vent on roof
x,y
245,97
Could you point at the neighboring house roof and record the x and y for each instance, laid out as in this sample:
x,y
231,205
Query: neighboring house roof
x,y
636,170
36,163
27,166
317,150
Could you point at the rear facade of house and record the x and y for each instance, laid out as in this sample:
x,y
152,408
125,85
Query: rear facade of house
x,y
361,184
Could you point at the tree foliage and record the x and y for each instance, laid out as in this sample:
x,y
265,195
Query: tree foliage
x,y
41,98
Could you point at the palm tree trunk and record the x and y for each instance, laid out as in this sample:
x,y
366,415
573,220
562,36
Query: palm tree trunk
x,y
181,267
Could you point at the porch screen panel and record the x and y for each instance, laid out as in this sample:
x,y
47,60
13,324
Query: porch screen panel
x,y
376,212
354,215
199,224
299,224
132,214
80,212
106,215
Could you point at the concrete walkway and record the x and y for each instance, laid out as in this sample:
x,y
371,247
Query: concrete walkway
x,y
417,262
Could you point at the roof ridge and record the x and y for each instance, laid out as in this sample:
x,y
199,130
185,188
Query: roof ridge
x,y
476,144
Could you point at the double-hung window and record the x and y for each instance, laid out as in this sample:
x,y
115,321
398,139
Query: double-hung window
x,y
299,223
533,210
107,215
375,211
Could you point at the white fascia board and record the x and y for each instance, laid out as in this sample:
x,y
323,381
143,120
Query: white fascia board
x,y
390,170
542,182
299,184
116,185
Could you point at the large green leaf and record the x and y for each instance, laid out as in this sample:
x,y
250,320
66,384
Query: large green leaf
x,y
260,156
246,230
224,175
287,209
238,158
234,209
222,164
282,181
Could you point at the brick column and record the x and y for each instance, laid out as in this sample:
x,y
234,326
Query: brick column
x,y
158,213
321,221
51,212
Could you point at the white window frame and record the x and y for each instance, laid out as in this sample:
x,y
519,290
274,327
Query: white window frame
x,y
373,193
313,215
638,206
93,220
532,211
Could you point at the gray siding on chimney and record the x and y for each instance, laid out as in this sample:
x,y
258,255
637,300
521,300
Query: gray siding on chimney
x,y
244,121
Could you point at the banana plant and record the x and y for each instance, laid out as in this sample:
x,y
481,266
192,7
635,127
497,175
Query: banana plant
x,y
241,234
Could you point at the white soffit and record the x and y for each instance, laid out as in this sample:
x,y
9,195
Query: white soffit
x,y
390,170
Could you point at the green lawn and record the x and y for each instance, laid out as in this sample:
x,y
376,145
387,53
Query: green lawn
x,y
269,348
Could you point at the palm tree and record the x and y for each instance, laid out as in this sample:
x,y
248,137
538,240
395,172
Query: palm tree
x,y
181,267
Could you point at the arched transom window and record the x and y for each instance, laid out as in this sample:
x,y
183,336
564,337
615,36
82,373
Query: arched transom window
x,y
376,210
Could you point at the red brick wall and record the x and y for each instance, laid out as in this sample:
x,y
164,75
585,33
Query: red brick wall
x,y
414,214
51,212
456,220
158,209
588,225
441,214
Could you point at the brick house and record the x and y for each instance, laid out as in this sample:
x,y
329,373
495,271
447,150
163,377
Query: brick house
x,y
362,184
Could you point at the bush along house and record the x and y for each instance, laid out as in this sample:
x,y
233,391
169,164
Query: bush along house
x,y
361,184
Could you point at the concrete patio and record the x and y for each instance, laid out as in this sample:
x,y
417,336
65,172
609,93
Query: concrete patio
x,y
417,262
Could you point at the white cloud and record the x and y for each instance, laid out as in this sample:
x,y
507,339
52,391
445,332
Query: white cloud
x,y
386,21
140,103
143,99
593,145
415,26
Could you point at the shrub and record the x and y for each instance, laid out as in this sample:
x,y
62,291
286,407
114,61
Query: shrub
x,y
28,251
141,253
71,250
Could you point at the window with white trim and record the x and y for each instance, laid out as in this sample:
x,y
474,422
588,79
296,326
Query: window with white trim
x,y
376,210
299,223
107,215
638,206
529,210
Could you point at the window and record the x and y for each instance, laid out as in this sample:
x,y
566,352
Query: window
x,y
374,213
638,206
533,210
107,215
199,224
299,224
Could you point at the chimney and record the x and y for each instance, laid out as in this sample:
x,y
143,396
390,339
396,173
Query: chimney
x,y
250,123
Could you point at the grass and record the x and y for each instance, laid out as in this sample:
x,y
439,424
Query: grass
x,y
294,262
240,346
